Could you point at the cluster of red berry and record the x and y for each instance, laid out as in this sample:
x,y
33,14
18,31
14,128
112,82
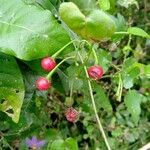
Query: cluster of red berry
x,y
48,64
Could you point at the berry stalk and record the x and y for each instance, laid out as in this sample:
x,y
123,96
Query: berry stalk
x,y
51,73
59,51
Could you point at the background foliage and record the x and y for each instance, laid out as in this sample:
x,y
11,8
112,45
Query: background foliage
x,y
122,96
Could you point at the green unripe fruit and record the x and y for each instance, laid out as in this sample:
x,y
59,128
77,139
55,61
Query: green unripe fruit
x,y
72,16
99,25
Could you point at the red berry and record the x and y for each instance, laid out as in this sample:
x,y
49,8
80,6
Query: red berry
x,y
95,72
48,63
71,114
42,84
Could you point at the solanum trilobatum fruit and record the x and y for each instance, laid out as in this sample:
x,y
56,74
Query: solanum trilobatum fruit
x,y
72,16
97,25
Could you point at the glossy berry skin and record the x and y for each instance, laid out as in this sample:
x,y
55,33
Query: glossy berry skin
x,y
71,115
42,84
48,63
95,72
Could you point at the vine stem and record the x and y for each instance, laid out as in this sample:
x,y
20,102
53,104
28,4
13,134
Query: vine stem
x,y
122,32
94,106
60,50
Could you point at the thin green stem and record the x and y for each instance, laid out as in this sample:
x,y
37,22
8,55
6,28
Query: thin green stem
x,y
95,56
94,106
129,48
120,87
129,41
116,67
71,89
93,51
107,76
51,73
59,51
118,33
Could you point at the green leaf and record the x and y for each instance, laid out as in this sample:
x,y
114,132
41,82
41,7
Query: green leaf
x,y
138,31
147,71
57,145
11,87
71,144
120,26
73,74
133,101
68,144
104,4
131,71
64,80
101,99
129,76
127,3
30,32
104,58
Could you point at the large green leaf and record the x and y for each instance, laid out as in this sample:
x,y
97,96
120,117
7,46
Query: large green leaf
x,y
28,32
11,87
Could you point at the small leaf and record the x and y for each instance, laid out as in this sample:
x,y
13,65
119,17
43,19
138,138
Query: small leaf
x,y
64,80
101,99
133,101
104,59
147,71
57,145
71,144
130,73
73,74
138,31
127,81
104,4
127,3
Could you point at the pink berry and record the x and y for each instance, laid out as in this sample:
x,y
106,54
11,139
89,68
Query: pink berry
x,y
42,84
71,114
48,63
95,72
